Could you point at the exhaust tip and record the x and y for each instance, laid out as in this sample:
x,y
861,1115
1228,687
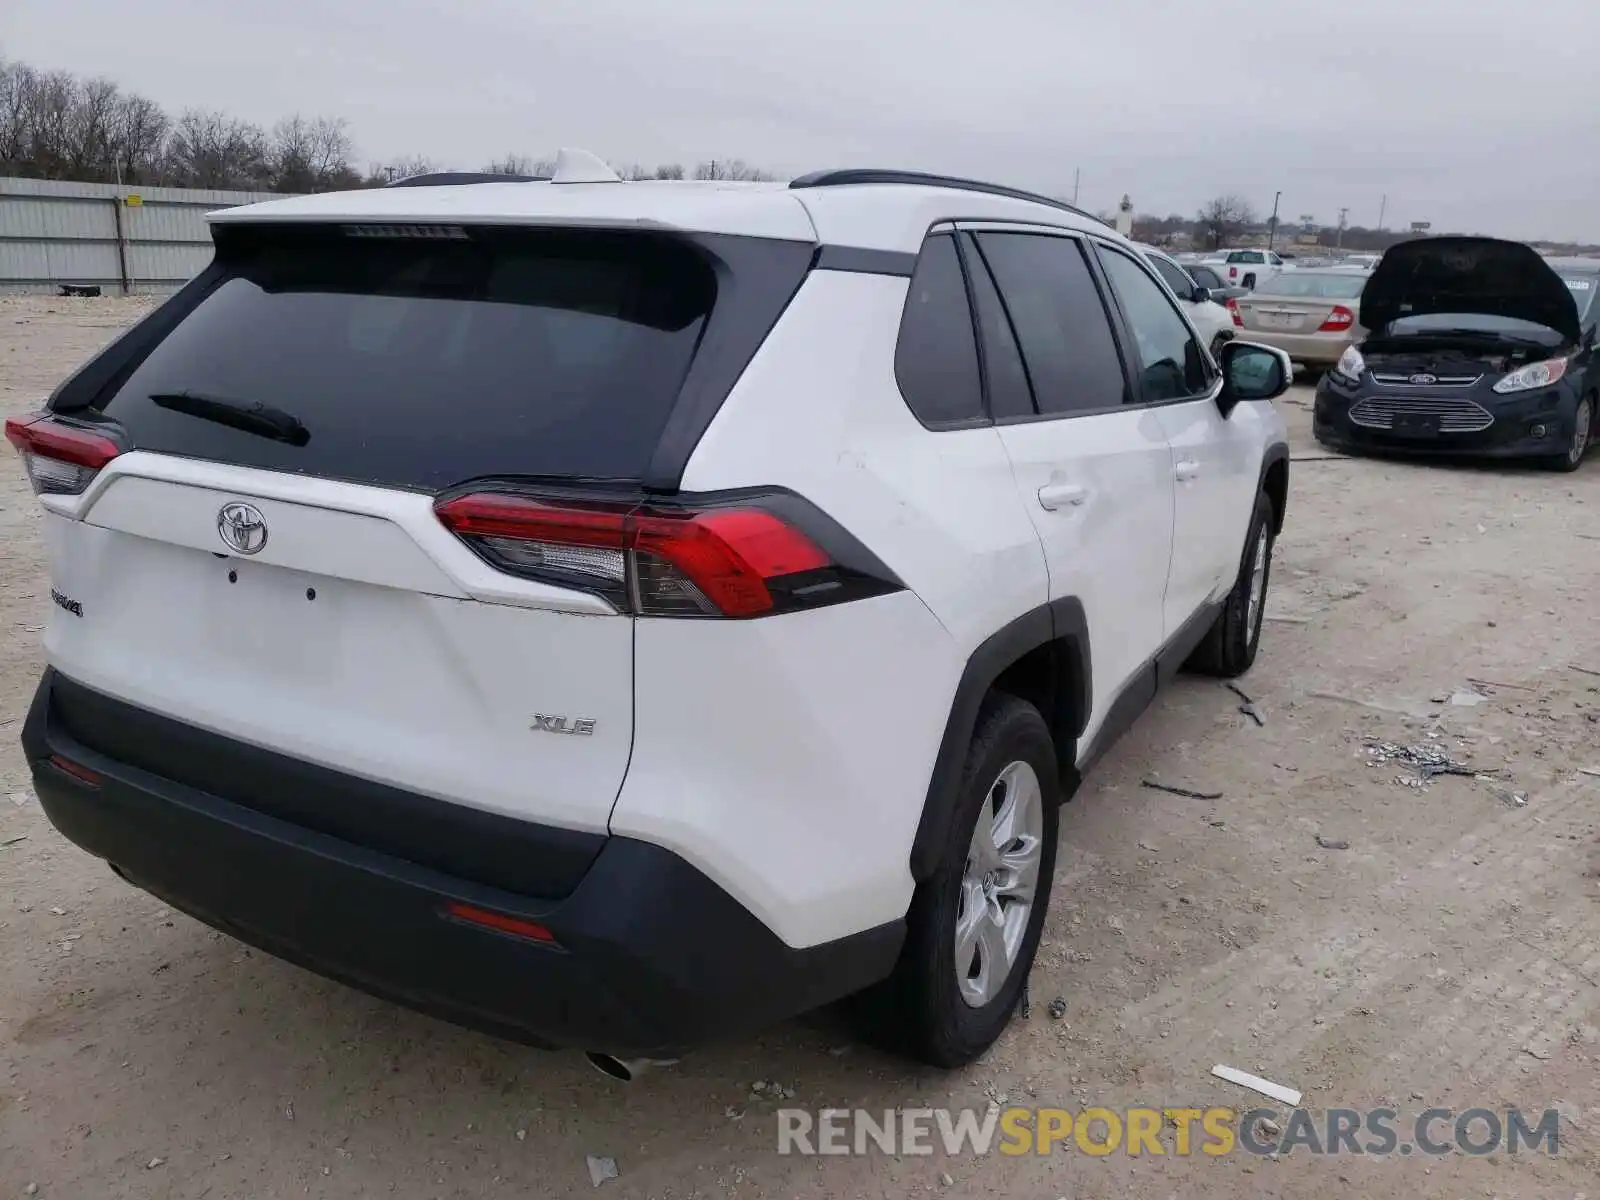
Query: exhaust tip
x,y
625,1070
612,1067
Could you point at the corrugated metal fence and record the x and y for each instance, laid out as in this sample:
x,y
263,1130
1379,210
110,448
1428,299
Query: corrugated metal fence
x,y
124,239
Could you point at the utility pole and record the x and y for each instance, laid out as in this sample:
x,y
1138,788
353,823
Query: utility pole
x,y
1339,244
1272,222
1383,207
1076,174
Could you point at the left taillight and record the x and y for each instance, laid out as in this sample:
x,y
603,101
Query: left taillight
x,y
749,557
60,459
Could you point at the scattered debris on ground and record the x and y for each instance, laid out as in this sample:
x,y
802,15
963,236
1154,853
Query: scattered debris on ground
x,y
1284,1095
1426,759
1058,1008
1187,793
1328,843
1249,708
601,1169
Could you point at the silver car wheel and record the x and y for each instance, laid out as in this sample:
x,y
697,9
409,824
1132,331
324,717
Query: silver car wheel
x,y
999,883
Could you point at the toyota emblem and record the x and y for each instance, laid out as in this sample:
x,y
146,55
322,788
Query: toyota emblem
x,y
242,528
1423,380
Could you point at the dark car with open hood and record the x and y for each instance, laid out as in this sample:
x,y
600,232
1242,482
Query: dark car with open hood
x,y
1475,347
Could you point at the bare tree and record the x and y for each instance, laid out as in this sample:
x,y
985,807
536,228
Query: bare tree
x,y
16,107
669,171
89,149
1220,219
521,164
400,168
50,135
732,169
139,136
213,150
310,154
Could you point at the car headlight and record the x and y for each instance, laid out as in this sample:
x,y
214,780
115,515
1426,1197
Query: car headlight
x,y
1534,375
1350,364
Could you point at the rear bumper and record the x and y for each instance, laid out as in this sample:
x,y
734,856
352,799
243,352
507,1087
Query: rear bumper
x,y
650,957
1313,349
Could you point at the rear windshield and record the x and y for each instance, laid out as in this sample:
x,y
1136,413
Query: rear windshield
x,y
1304,283
429,359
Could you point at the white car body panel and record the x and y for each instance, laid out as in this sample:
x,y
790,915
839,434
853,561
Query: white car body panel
x,y
409,667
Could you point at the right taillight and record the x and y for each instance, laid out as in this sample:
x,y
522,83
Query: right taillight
x,y
745,558
1233,311
1340,319
60,459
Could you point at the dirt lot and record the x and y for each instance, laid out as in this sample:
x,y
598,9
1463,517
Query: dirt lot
x,y
1447,957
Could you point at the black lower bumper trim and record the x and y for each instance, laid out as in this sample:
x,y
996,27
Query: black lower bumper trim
x,y
652,958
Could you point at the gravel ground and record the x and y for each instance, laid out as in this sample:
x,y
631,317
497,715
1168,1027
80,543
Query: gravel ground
x,y
1447,957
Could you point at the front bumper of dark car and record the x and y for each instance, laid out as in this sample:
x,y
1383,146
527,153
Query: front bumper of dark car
x,y
1535,424
646,956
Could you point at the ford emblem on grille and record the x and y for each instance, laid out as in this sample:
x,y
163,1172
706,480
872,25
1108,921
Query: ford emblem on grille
x,y
242,528
1423,380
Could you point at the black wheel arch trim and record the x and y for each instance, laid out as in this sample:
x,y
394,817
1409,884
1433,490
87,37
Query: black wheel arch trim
x,y
1061,620
1277,452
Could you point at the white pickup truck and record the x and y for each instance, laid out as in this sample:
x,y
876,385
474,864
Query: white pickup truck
x,y
1247,268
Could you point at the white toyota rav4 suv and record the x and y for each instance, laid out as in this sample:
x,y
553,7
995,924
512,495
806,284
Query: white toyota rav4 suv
x,y
618,615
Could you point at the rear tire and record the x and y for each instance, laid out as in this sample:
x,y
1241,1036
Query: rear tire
x,y
1249,281
1582,436
969,946
1229,648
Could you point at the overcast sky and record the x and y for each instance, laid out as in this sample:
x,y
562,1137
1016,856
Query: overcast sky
x,y
1477,117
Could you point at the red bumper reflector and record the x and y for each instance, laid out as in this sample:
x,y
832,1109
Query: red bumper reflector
x,y
499,922
82,774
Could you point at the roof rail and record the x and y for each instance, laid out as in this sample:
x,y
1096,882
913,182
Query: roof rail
x,y
863,175
446,178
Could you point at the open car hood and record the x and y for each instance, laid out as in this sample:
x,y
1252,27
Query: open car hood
x,y
1468,275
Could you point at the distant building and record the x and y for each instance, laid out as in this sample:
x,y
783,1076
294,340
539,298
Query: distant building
x,y
1124,220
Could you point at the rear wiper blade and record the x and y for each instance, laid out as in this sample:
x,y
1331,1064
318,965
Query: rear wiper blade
x,y
249,416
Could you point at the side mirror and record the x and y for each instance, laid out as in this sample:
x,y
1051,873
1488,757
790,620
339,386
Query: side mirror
x,y
1252,372
1200,295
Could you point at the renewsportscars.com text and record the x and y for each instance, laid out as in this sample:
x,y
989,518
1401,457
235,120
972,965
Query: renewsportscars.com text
x,y
1178,1132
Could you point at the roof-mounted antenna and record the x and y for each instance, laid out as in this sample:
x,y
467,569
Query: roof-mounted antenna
x,y
579,166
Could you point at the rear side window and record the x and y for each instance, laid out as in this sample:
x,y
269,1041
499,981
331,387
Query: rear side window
x,y
1172,275
1207,278
936,358
1061,322
1009,392
422,362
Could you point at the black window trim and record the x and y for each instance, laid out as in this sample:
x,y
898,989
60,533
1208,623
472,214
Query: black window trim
x,y
983,420
1121,334
1125,329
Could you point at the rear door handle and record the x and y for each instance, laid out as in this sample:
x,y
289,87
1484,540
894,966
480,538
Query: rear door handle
x,y
1059,495
1186,469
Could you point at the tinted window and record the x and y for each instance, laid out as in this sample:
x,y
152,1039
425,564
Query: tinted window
x,y
425,362
1172,276
1060,321
1207,278
1171,362
936,360
1009,393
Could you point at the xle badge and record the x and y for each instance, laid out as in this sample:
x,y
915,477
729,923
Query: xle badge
x,y
576,726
